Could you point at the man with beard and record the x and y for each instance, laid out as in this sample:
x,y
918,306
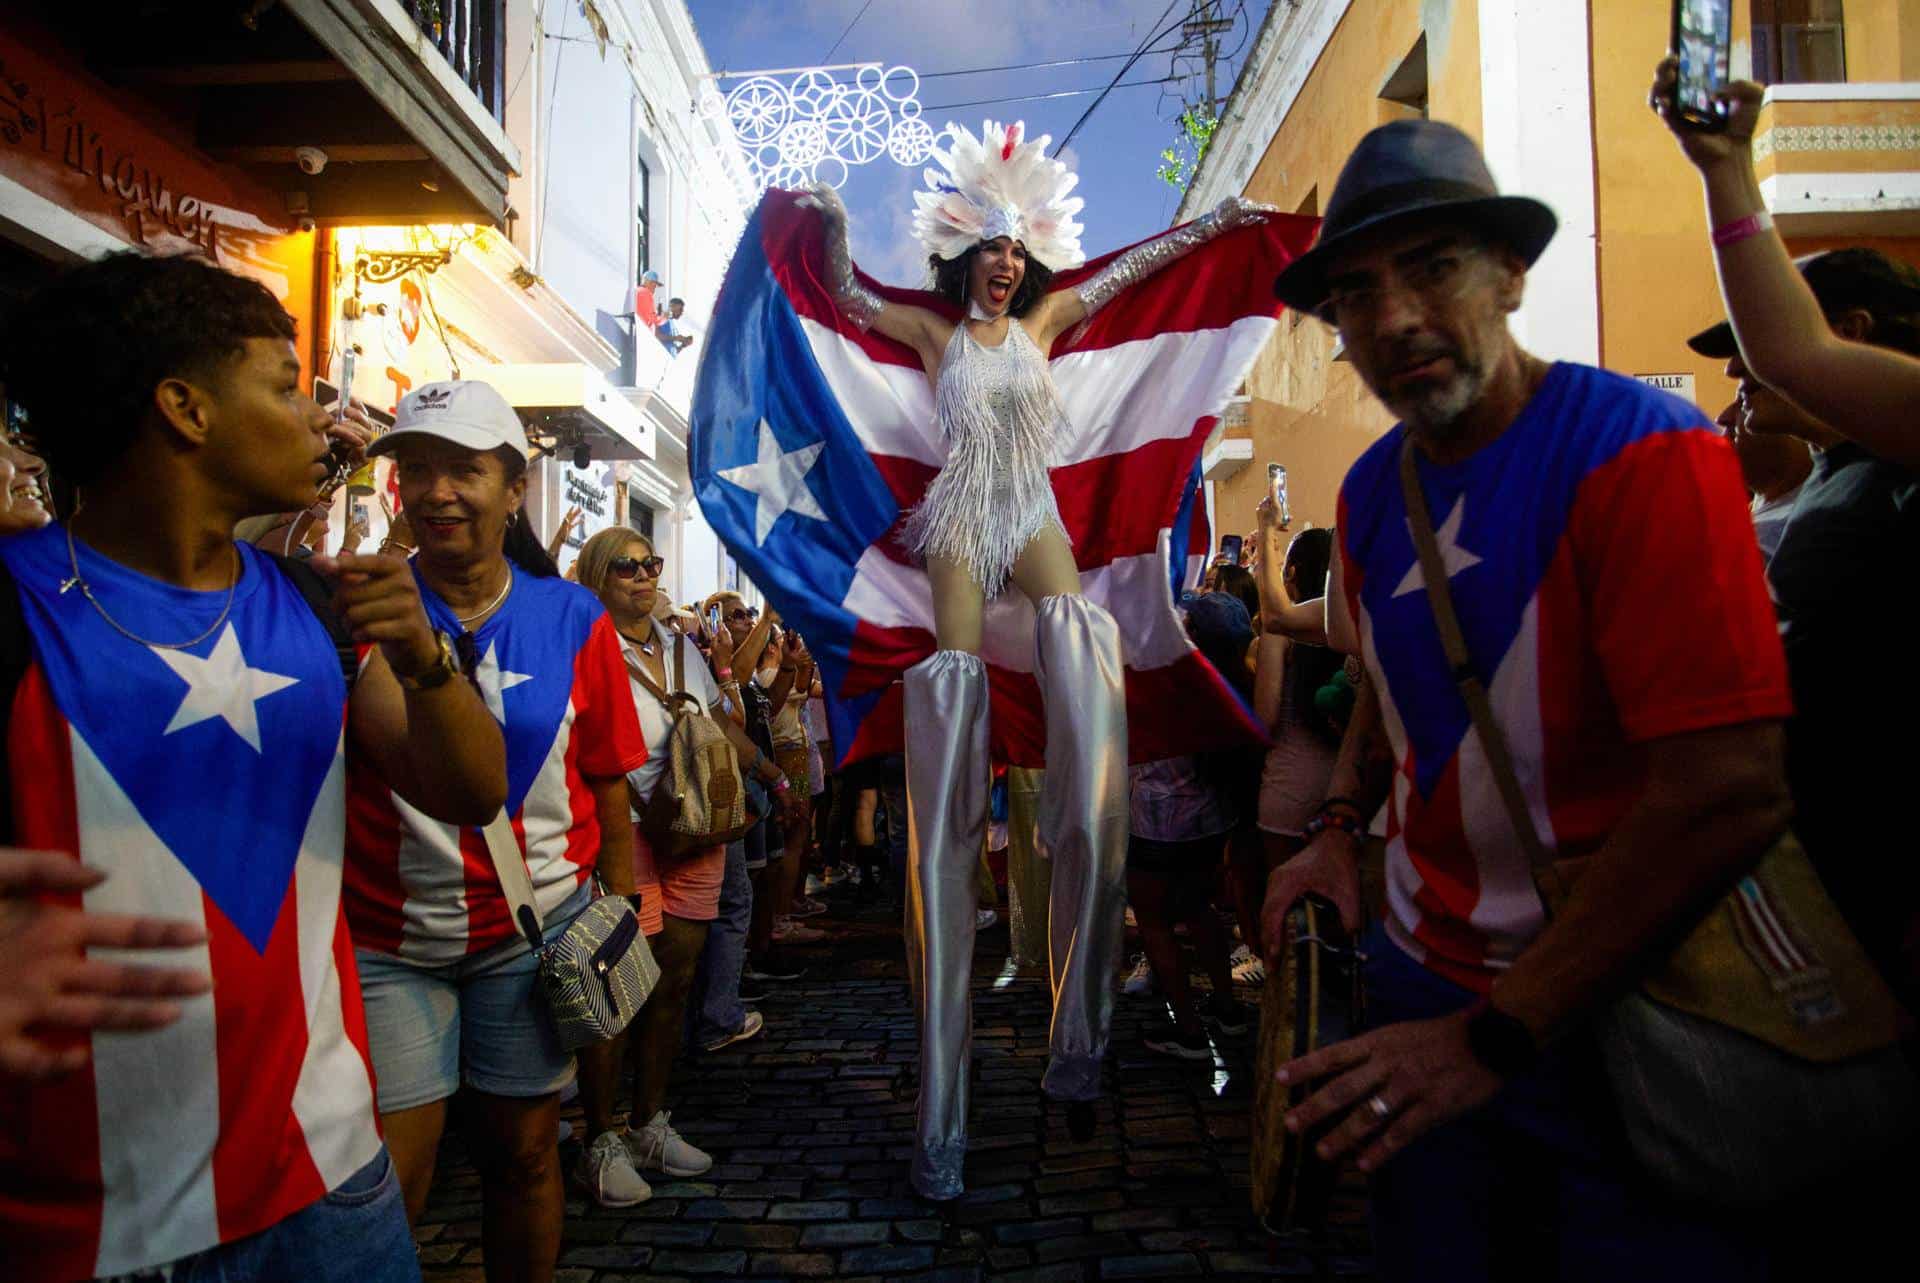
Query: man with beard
x,y
1596,540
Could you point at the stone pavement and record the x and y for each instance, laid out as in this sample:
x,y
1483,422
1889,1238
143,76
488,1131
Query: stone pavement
x,y
810,1126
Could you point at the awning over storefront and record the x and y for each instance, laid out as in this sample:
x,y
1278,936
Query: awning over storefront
x,y
349,110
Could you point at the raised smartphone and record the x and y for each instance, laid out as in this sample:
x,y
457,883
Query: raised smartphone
x,y
1703,37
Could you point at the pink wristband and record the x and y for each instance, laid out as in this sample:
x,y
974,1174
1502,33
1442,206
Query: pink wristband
x,y
723,673
1741,228
782,784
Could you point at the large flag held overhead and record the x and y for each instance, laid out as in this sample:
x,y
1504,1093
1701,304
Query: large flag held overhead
x,y
811,441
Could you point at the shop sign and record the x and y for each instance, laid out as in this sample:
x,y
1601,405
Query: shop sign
x,y
101,165
590,490
1681,385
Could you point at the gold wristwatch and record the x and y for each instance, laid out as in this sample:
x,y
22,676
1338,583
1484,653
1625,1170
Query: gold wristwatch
x,y
436,674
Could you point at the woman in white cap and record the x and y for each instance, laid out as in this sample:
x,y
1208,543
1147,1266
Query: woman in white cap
x,y
997,222
450,986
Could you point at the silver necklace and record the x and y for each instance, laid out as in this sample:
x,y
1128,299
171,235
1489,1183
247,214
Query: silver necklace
x,y
466,621
86,590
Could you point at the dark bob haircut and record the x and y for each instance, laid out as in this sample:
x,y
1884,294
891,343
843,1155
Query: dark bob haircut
x,y
84,353
950,281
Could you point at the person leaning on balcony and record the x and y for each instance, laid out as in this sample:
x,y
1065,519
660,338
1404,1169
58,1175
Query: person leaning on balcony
x,y
1641,693
1864,390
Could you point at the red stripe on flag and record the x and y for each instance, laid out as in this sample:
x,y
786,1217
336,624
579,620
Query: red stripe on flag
x,y
1183,707
1193,295
1117,505
50,1181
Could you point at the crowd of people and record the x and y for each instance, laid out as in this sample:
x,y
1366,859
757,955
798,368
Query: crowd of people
x,y
1652,655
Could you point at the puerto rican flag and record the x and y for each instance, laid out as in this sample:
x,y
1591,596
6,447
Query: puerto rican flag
x,y
208,782
811,441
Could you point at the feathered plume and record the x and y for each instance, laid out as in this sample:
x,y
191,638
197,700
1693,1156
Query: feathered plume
x,y
998,185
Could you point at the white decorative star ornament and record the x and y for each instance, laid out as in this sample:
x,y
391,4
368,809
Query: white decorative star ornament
x,y
222,686
493,680
778,479
1452,555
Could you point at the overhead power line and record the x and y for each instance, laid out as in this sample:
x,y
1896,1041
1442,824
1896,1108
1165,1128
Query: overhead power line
x,y
1063,93
1146,46
849,28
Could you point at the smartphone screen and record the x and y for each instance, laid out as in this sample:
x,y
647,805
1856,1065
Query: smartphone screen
x,y
1703,37
1277,487
1230,549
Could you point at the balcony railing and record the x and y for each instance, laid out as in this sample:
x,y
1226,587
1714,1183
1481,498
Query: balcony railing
x,y
471,36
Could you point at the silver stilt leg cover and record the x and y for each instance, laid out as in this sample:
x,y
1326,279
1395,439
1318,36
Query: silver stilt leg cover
x,y
947,781
1084,824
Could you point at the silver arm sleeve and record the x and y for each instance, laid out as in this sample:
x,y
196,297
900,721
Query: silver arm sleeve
x,y
858,303
1143,261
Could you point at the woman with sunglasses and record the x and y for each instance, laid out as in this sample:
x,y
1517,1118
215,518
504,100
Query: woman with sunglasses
x,y
678,898
451,988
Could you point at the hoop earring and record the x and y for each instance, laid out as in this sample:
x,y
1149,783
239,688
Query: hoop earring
x,y
513,518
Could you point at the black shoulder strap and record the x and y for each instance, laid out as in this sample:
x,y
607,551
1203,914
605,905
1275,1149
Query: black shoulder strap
x,y
319,594
16,652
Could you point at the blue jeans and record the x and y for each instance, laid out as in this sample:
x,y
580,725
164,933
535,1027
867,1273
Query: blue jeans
x,y
356,1233
714,1009
1468,1200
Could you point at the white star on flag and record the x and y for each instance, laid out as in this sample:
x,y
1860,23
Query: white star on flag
x,y
1452,555
493,680
222,686
779,479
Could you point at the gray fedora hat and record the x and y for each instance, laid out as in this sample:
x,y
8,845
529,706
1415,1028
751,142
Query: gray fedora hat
x,y
1413,169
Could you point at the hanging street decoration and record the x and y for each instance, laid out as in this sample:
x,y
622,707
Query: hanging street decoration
x,y
801,125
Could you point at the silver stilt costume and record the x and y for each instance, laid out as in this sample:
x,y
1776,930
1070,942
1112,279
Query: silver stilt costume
x,y
947,796
1083,822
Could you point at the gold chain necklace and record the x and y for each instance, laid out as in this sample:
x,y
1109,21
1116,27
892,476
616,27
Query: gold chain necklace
x,y
86,590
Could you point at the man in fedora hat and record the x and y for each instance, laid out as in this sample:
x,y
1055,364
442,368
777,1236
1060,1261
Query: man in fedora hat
x,y
1595,539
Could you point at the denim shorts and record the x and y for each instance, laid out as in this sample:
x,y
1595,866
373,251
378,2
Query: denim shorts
x,y
356,1233
481,1022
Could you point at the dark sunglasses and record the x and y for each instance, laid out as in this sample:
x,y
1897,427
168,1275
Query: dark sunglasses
x,y
628,567
743,612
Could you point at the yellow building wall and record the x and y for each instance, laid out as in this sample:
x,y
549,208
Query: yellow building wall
x,y
1308,411
1883,39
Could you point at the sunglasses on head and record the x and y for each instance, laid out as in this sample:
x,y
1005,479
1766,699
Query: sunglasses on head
x,y
628,567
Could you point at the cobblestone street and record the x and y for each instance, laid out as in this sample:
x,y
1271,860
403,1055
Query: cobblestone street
x,y
810,1128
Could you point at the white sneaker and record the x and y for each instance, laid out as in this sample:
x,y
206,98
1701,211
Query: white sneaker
x,y
1248,968
1140,979
659,1148
606,1170
984,918
805,906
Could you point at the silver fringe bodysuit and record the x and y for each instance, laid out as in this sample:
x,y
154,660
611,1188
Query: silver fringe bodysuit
x,y
1000,417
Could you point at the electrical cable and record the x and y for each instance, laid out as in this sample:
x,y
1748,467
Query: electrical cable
x,y
849,28
1026,66
1145,46
1064,93
546,141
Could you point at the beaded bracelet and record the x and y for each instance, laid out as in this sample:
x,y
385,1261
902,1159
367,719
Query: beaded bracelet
x,y
1324,819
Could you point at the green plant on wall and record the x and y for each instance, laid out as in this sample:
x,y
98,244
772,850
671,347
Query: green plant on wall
x,y
1180,162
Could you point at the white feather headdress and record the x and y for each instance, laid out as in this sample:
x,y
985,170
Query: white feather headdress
x,y
998,185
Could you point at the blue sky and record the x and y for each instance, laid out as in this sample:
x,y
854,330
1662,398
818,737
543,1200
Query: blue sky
x,y
1115,152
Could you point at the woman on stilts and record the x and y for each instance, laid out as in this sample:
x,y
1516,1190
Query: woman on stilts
x,y
998,222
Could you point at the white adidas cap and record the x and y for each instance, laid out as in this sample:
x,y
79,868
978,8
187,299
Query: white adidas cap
x,y
467,412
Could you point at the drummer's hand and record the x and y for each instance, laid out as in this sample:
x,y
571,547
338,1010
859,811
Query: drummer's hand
x,y
1422,1072
1330,866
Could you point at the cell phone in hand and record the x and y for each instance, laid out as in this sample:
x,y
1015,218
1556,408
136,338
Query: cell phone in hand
x,y
1277,487
1703,39
1230,549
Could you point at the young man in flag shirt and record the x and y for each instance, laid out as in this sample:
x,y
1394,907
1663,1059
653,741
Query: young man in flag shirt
x,y
1595,537
179,725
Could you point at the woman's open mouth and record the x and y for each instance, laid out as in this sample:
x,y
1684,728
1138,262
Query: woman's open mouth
x,y
999,288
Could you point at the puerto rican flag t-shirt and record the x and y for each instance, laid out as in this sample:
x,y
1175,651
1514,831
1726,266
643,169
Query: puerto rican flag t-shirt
x,y
548,665
208,783
1603,566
